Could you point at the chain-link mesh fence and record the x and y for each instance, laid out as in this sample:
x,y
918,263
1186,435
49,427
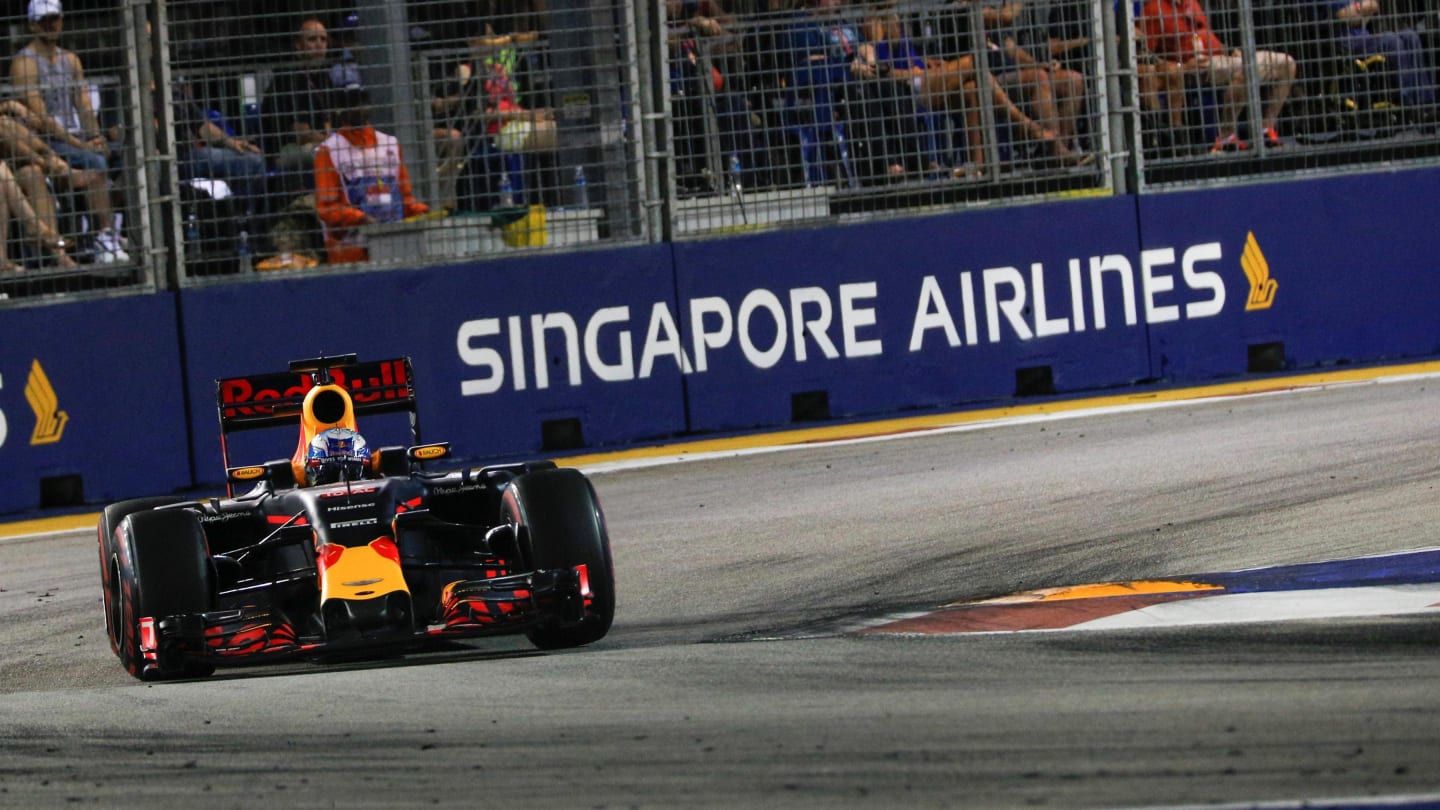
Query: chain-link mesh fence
x,y
71,161
829,109
350,133
1234,88
388,133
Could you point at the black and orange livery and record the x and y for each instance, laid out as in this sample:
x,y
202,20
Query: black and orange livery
x,y
401,557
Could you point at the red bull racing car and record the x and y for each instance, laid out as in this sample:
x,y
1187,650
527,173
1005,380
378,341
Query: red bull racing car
x,y
342,549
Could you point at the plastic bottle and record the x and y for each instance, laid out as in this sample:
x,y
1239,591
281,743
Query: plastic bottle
x,y
507,191
735,183
582,191
192,231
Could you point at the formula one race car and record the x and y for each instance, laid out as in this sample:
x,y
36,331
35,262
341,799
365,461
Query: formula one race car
x,y
340,550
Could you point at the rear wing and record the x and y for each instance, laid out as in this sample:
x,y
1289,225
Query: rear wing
x,y
275,399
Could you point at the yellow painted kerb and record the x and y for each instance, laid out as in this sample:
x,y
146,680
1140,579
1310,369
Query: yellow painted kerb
x,y
1098,591
63,523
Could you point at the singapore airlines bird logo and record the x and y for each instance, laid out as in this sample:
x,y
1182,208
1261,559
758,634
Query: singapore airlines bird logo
x,y
1257,270
49,419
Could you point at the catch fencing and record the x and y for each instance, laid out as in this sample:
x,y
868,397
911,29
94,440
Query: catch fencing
x,y
77,194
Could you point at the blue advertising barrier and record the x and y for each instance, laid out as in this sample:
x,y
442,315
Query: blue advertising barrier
x,y
510,357
1325,271
959,308
91,403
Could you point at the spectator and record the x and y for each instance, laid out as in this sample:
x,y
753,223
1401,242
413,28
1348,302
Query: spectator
x,y
449,140
1179,31
823,48
1162,91
908,125
699,36
15,205
517,128
505,22
360,179
491,93
209,149
479,92
35,166
1024,57
1071,34
346,70
297,108
952,85
50,81
1401,48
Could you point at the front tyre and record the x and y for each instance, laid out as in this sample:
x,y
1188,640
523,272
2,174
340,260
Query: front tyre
x,y
558,524
110,557
164,570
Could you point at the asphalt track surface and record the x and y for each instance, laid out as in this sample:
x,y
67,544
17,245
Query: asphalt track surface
x,y
732,676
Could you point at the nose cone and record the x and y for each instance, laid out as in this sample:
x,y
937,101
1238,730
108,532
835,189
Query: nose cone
x,y
363,590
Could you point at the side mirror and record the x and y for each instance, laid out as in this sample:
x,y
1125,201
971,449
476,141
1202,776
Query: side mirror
x,y
392,461
281,474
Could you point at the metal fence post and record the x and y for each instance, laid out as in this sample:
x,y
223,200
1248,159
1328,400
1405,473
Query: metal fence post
x,y
1252,72
164,226
142,176
587,80
651,107
1121,97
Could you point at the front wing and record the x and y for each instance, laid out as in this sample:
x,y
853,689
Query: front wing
x,y
468,608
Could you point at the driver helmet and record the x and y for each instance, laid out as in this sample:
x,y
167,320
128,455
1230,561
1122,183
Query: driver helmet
x,y
336,454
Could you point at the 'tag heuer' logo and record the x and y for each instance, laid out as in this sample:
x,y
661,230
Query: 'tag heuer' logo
x,y
49,419
1257,271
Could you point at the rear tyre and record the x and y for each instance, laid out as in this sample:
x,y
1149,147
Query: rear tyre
x,y
164,570
558,524
110,557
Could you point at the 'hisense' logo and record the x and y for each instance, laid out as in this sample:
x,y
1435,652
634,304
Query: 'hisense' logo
x,y
49,419
1257,270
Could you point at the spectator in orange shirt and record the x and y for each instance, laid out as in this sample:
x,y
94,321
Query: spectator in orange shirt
x,y
360,179
1179,30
